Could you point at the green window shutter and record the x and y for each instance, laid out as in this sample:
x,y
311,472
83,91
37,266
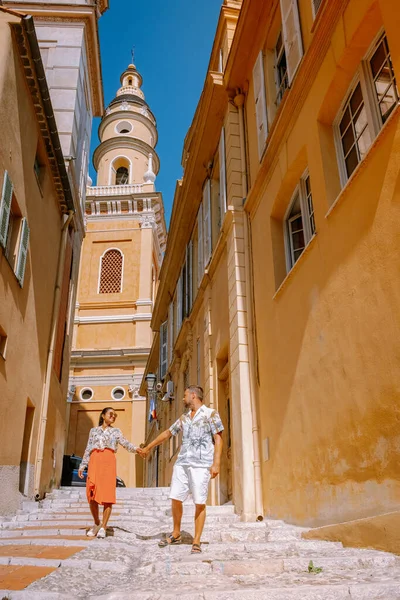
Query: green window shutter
x,y
5,207
22,252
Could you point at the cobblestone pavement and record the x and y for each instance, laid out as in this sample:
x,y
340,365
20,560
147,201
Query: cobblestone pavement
x,y
46,545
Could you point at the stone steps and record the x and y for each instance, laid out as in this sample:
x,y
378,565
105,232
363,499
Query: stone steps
x,y
239,561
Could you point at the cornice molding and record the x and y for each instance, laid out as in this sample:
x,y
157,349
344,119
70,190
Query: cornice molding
x,y
86,14
112,319
125,142
127,115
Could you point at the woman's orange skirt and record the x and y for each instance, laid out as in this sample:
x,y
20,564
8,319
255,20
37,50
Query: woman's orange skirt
x,y
101,477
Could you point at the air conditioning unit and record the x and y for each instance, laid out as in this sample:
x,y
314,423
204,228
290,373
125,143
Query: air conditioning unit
x,y
170,392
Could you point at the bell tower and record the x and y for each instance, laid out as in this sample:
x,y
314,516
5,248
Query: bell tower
x,y
128,137
121,257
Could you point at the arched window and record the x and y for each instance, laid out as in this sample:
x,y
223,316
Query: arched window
x,y
111,270
122,176
120,171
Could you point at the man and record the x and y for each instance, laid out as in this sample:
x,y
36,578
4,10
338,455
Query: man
x,y
198,461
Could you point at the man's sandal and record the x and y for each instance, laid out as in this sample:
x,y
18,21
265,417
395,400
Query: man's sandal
x,y
196,549
174,541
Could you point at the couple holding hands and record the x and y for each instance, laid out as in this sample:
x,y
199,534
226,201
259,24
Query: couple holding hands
x,y
198,462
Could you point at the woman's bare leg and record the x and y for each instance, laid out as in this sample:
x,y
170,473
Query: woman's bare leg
x,y
106,515
94,509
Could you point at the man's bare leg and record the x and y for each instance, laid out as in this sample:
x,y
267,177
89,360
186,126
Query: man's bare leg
x,y
177,511
94,509
199,520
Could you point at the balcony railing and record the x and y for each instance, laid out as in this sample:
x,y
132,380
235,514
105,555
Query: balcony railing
x,y
117,207
114,190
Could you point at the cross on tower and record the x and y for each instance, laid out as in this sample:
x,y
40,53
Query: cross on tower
x,y
133,54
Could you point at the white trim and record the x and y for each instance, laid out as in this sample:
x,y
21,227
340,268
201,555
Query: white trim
x,y
85,389
118,387
144,302
122,272
113,318
112,168
299,191
103,401
105,380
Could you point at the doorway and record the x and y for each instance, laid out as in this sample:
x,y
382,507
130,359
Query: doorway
x,y
25,467
224,409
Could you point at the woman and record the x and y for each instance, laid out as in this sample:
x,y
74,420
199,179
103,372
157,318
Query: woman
x,y
102,472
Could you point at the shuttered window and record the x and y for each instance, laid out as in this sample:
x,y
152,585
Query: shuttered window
x,y
170,332
260,103
22,252
189,279
316,4
291,36
222,176
111,270
5,207
207,221
63,310
163,349
179,304
200,255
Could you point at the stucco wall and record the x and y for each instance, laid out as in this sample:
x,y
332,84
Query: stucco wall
x,y
328,333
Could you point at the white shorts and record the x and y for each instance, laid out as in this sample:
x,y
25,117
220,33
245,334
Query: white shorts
x,y
192,480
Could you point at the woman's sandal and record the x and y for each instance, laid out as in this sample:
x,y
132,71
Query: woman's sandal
x,y
196,549
173,541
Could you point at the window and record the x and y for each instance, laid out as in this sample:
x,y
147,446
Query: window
x,y
299,222
354,130
198,357
260,103
291,37
387,95
222,177
122,176
118,393
200,249
86,394
315,5
207,240
14,231
111,271
170,332
282,80
370,101
163,349
123,127
38,169
3,342
189,279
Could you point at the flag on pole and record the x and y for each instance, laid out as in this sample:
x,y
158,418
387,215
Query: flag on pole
x,y
152,412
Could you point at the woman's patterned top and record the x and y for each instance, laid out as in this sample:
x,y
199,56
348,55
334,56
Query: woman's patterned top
x,y
100,439
198,437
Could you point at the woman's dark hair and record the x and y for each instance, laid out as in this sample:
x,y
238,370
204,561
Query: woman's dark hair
x,y
103,412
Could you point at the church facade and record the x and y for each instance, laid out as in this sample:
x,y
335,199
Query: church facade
x,y
121,258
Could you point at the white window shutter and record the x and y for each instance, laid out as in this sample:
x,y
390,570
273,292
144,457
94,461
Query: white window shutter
x,y
222,176
163,349
170,332
179,305
189,276
22,252
5,208
207,221
291,36
200,259
260,102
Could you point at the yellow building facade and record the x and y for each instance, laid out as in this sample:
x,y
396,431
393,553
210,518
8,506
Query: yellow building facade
x,y
121,257
40,237
286,216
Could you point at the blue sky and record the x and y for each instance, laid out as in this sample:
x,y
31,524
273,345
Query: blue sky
x,y
172,43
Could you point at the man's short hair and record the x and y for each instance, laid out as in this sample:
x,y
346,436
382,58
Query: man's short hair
x,y
196,389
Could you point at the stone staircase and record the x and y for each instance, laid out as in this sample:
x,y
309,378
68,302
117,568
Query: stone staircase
x,y
45,554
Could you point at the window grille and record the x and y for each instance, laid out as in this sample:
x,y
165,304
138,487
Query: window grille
x,y
111,272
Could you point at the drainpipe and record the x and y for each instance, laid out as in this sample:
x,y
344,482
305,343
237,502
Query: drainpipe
x,y
50,356
259,507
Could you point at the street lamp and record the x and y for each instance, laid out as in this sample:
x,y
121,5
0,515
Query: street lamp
x,y
150,380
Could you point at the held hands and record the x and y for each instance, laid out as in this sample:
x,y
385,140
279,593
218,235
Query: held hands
x,y
214,470
143,452
80,473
